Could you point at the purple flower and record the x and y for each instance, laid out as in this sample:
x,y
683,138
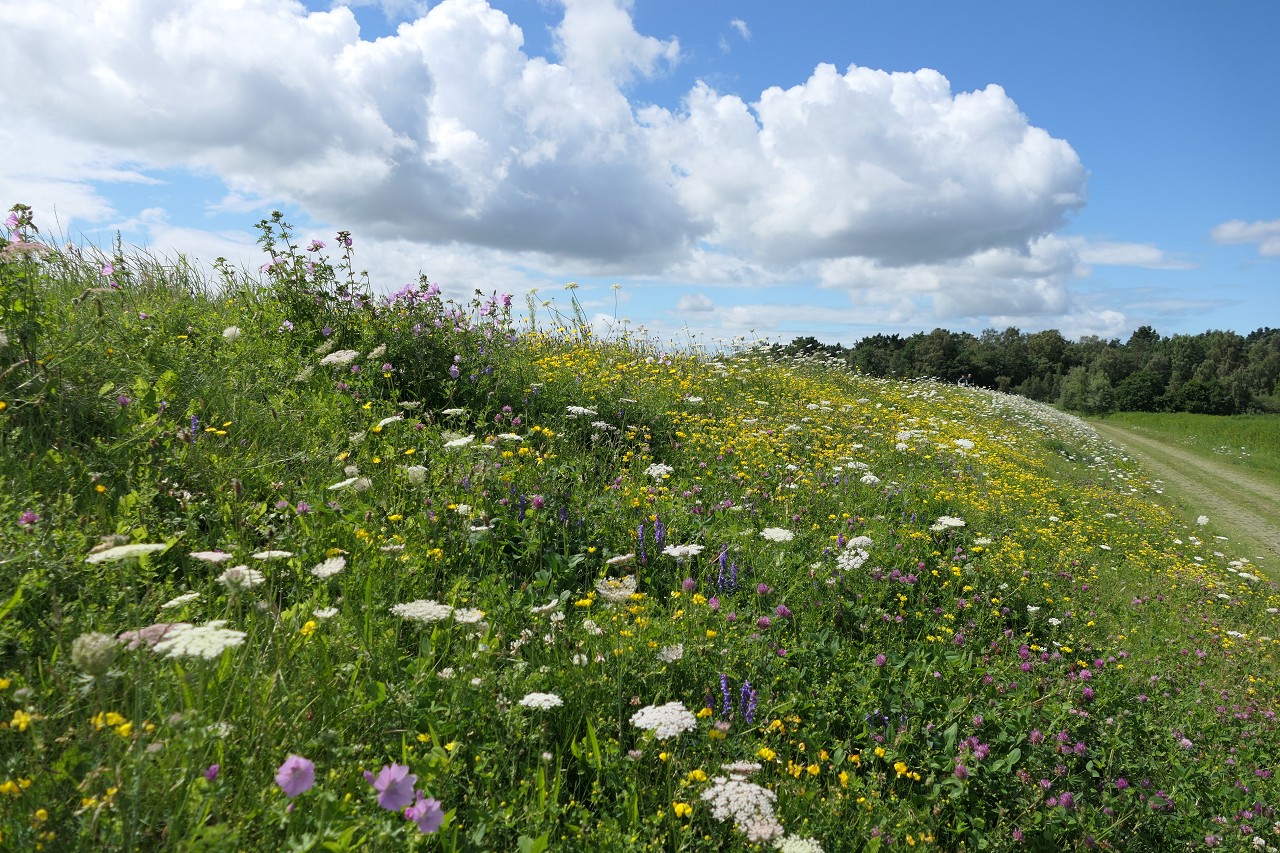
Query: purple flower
x,y
961,772
303,508
296,775
28,519
394,785
123,401
212,772
763,589
107,269
762,622
689,584
327,331
454,372
427,813
881,660
782,611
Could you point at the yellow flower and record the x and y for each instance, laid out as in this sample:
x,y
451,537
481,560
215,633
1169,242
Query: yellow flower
x,y
8,786
880,752
844,778
21,719
663,756
704,712
682,809
766,753
124,729
4,683
696,776
710,634
813,769
308,629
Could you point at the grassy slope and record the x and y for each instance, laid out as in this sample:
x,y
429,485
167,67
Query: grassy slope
x,y
1070,666
1250,441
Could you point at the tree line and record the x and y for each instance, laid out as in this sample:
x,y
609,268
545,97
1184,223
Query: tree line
x,y
1217,373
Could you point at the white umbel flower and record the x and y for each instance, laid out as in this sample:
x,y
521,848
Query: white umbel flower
x,y
777,534
200,641
422,611
614,590
329,567
239,578
340,357
124,552
683,552
541,701
665,721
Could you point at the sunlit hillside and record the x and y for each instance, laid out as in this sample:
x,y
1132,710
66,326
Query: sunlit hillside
x,y
288,566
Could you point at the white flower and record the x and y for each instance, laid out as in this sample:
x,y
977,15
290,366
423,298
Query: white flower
x,y
124,552
467,615
796,844
240,577
1054,621
453,412
357,483
340,357
614,591
869,479
415,473
212,556
620,560
329,567
747,804
658,470
231,332
422,611
671,654
271,555
463,510
200,641
945,522
446,673
180,600
580,411
1202,520
385,422
683,552
325,613
590,626
741,769
964,443
665,721
545,608
1031,608
777,534
541,701
377,352
460,442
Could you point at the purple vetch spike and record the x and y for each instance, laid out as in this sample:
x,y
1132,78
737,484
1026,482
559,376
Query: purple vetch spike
x,y
839,540
523,503
644,558
748,702
722,559
724,691
659,532
733,576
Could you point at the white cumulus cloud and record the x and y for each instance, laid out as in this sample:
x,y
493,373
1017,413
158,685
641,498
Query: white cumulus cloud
x,y
1237,232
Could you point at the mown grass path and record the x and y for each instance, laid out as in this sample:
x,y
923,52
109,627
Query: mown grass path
x,y
1244,506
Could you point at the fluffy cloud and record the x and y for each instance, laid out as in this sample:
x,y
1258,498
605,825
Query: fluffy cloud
x,y
1236,232
695,303
892,167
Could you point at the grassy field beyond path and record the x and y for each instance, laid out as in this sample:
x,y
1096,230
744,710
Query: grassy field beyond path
x,y
1244,505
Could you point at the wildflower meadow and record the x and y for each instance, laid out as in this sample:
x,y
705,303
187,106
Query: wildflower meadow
x,y
288,565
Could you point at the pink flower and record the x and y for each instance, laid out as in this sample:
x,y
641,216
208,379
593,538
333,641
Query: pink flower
x,y
296,775
394,785
427,813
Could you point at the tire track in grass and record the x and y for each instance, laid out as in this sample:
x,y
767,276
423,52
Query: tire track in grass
x,y
1242,505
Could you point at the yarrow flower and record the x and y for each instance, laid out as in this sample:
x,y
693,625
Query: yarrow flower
x,y
580,411
946,521
665,721
200,641
777,534
541,701
272,555
796,844
747,804
658,470
422,611
185,598
340,357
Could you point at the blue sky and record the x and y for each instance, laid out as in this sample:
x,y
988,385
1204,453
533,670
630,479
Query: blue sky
x,y
748,168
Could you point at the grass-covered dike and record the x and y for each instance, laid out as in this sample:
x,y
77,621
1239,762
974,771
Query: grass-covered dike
x,y
284,565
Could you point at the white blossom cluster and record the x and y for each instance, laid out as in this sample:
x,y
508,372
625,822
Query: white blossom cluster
x,y
671,654
614,590
777,534
854,554
124,552
329,567
422,611
945,522
580,411
340,357
683,552
199,641
658,470
541,701
239,578
665,721
797,844
747,804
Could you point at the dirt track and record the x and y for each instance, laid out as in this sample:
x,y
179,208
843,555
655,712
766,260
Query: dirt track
x,y
1243,507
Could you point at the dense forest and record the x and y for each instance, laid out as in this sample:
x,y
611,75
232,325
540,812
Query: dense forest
x,y
1216,373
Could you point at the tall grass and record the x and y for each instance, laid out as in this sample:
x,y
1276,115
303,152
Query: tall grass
x,y
589,594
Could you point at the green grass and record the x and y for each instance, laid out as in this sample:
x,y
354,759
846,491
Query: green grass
x,y
935,617
1250,441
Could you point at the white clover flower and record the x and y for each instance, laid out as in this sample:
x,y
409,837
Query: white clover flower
x,y
683,552
124,552
329,567
239,578
212,556
777,534
541,701
658,470
200,641
590,626
340,357
665,721
185,598
422,611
